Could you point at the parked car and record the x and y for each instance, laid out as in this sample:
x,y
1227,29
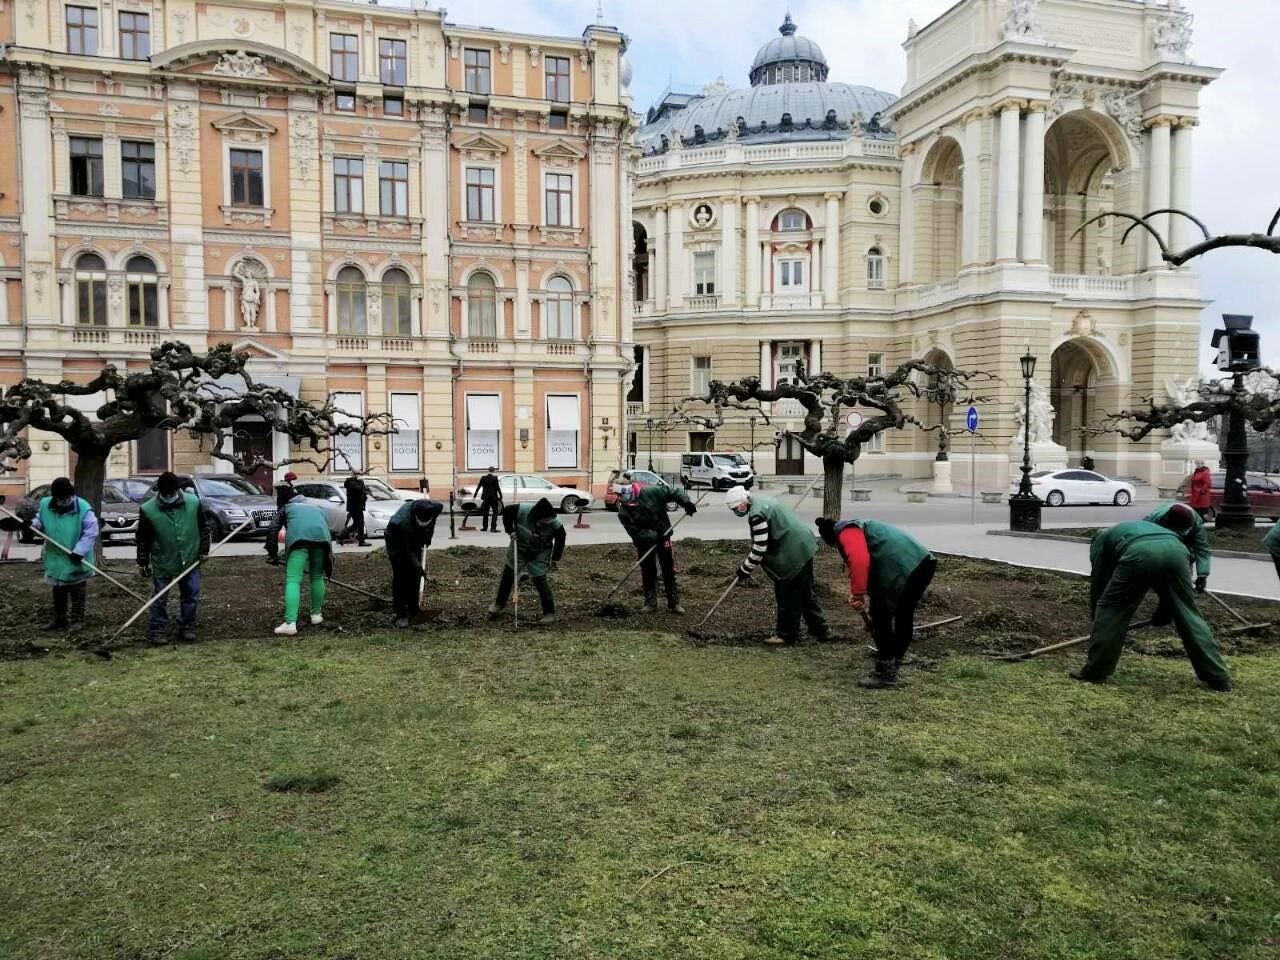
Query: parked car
x,y
1263,494
119,519
527,488
719,471
646,478
395,493
331,497
1058,487
230,501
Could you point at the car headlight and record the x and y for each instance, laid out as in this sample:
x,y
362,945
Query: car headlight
x,y
236,514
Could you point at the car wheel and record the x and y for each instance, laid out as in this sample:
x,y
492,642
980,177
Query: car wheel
x,y
572,504
1122,498
1209,515
1055,499
214,529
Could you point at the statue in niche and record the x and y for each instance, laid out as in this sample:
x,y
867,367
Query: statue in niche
x,y
250,293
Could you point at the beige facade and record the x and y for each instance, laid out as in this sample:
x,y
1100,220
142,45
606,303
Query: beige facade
x,y
940,228
426,219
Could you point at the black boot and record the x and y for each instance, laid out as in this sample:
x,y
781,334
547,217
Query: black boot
x,y
650,603
58,621
77,606
883,675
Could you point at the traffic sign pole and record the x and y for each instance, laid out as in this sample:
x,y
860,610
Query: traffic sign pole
x,y
971,423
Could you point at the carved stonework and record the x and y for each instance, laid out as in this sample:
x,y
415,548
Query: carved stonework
x,y
1126,109
183,133
242,65
1020,22
115,293
180,26
108,110
304,143
1172,36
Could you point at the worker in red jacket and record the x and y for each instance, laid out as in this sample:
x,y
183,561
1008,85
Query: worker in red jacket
x,y
1200,489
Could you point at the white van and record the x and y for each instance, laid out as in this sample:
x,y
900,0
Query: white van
x,y
719,471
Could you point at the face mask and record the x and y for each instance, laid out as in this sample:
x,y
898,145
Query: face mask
x,y
64,505
171,499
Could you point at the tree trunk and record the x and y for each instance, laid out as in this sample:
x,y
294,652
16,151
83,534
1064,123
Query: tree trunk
x,y
832,488
90,472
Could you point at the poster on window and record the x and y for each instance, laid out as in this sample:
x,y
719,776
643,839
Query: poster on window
x,y
563,422
562,448
482,449
404,442
349,447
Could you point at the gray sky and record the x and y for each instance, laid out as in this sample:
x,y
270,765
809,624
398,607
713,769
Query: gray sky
x,y
1236,187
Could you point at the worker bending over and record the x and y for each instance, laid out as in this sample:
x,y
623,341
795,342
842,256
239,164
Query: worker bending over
x,y
408,534
537,542
308,548
643,513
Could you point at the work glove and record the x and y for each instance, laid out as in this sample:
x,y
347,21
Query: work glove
x,y
77,559
144,571
691,509
858,601
1202,584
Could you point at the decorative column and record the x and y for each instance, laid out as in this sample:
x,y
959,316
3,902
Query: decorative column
x,y
728,252
659,275
831,252
752,253
524,326
675,257
906,230
815,357
971,197
1033,184
1007,181
766,364
1181,187
1158,183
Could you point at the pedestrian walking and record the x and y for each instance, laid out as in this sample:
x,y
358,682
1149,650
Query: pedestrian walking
x,y
409,533
784,547
643,514
1200,489
68,520
1126,561
889,572
308,550
490,501
539,537
173,533
357,500
284,490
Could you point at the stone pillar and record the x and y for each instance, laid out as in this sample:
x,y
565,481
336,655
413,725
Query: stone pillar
x,y
906,230
434,171
675,257
971,197
1158,184
752,253
524,328
659,275
1033,184
728,252
1007,175
1181,188
36,186
815,357
831,252
766,364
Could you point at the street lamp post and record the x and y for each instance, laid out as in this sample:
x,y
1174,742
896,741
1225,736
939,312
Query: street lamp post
x,y
752,421
649,423
1024,506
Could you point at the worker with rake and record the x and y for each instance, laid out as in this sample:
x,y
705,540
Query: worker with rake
x,y
70,523
785,547
407,537
889,572
308,547
173,533
537,542
1126,561
643,513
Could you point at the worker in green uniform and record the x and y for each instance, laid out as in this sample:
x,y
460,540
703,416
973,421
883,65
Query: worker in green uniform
x,y
785,547
1127,560
1272,542
889,572
408,534
537,542
68,520
173,533
308,548
1187,524
643,513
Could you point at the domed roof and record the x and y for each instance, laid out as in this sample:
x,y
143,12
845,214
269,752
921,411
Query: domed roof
x,y
788,49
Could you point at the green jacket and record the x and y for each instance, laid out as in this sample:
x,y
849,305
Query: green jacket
x,y
791,543
170,539
1134,540
646,520
77,531
304,525
894,557
1272,541
1195,539
539,543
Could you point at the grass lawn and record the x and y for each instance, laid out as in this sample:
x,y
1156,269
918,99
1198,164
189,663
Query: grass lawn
x,y
629,795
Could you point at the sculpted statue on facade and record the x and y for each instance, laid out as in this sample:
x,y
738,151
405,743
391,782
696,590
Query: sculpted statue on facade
x,y
1041,417
250,296
1172,36
1020,22
1184,393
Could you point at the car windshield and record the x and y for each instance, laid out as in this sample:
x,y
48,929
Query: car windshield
x,y
537,482
379,490
112,495
226,487
728,460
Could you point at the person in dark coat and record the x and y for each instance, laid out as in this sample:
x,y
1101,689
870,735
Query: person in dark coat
x,y
357,499
537,542
408,534
173,533
285,491
643,513
490,500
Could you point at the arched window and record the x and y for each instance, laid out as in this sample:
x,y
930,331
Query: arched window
x,y
482,307
144,296
91,290
793,220
397,314
352,316
558,319
875,268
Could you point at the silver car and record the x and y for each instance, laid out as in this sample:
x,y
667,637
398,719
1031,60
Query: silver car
x,y
331,497
527,488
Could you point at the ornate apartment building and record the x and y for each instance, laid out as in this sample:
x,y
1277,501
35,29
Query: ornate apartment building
x,y
420,217
803,219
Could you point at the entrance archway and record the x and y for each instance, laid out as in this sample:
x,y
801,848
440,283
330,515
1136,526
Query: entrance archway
x,y
1082,389
640,261
938,250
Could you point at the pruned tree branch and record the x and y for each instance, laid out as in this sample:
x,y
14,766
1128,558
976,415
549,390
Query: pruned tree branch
x,y
1260,241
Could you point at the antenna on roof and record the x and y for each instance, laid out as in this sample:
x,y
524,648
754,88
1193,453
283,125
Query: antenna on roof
x,y
599,13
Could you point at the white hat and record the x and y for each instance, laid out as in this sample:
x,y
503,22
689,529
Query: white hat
x,y
736,496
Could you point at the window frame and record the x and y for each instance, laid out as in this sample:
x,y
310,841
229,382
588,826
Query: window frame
x,y
350,294
339,57
397,111
496,459
140,163
245,175
552,82
700,376
415,400
134,34
340,97
143,288
481,191
399,75
354,443
549,434
704,277
473,72
393,188
401,296
875,268
792,211
792,275
82,31
91,175
348,185
875,364
473,302
557,199
95,280
558,310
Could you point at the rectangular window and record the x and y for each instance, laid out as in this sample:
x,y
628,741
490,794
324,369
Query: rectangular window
x,y
875,444
153,451
477,113
704,274
135,35
558,120
484,431
701,442
393,62
348,184
559,190
393,106
344,57
563,424
348,448
82,30
475,64
393,188
86,166
246,178
789,355
480,195
406,412
557,73
144,299
138,169
791,275
700,381
344,102
875,364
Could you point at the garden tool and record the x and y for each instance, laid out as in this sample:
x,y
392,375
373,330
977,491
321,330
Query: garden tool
x,y
105,576
636,566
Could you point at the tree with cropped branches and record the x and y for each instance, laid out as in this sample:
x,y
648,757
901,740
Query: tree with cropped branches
x,y
826,398
1259,241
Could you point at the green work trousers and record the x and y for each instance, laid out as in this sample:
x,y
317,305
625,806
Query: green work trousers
x,y
1161,567
298,563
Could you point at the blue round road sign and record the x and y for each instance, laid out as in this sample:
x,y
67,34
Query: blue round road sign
x,y
971,419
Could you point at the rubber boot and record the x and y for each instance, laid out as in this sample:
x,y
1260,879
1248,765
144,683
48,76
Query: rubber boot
x,y
884,674
495,611
58,621
77,607
650,603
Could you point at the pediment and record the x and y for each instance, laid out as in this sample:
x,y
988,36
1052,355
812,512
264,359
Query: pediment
x,y
244,123
559,153
481,145
238,60
257,350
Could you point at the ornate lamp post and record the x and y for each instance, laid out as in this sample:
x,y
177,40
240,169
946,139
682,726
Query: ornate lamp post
x,y
649,423
1024,506
752,421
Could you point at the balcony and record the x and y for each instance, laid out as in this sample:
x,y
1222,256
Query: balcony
x,y
703,302
1086,287
636,410
126,336
642,308
791,301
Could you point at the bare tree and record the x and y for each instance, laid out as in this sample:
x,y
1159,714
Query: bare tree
x,y
1260,241
1257,399
825,399
180,390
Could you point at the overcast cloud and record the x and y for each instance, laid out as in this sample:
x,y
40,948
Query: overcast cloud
x,y
1237,143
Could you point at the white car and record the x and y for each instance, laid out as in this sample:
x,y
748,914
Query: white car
x,y
1058,487
526,488
375,483
331,497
